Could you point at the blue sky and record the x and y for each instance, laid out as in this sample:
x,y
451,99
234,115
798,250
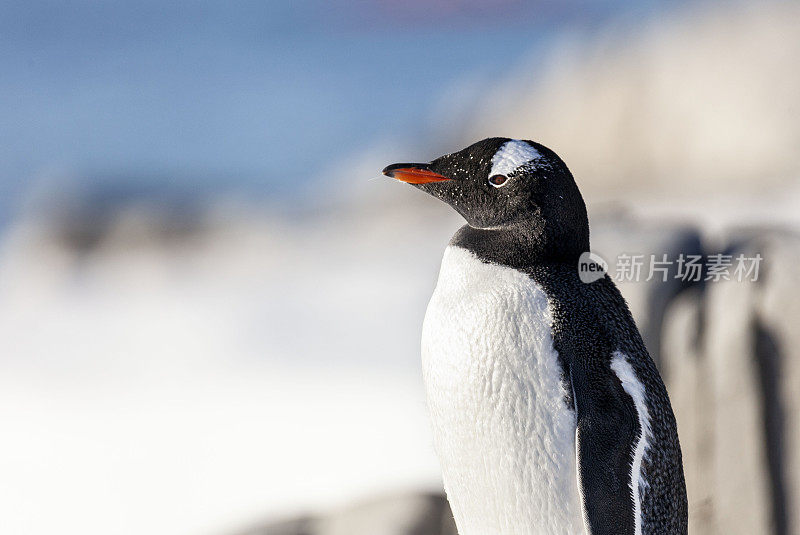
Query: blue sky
x,y
260,95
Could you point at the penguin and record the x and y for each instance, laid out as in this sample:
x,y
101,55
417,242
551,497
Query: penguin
x,y
548,414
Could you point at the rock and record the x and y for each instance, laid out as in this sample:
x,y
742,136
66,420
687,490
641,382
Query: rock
x,y
408,514
741,484
777,309
298,526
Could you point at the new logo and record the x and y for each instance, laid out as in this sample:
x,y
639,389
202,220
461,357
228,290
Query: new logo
x,y
591,267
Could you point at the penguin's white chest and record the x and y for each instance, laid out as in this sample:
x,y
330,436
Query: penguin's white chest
x,y
503,432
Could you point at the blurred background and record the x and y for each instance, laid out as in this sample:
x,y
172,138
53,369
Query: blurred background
x,y
211,301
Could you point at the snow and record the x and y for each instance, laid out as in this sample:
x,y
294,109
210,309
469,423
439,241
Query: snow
x,y
194,389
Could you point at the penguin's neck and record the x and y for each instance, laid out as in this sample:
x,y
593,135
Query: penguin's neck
x,y
519,246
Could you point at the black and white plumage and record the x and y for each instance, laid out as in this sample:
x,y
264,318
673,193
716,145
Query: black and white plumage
x,y
548,414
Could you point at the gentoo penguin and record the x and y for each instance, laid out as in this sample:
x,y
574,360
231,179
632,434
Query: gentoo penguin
x,y
549,417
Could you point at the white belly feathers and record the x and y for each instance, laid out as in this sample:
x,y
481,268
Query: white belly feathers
x,y
502,430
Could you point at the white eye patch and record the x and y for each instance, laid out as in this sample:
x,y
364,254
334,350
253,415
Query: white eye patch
x,y
511,156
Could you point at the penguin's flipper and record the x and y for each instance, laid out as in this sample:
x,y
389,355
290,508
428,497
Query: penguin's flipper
x,y
605,436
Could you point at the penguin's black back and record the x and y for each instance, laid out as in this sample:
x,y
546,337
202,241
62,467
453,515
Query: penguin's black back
x,y
590,322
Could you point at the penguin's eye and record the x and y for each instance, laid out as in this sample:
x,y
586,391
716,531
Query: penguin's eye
x,y
498,180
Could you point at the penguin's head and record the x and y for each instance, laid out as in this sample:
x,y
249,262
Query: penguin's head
x,y
505,184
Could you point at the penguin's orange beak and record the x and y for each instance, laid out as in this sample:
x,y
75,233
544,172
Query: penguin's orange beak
x,y
413,173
